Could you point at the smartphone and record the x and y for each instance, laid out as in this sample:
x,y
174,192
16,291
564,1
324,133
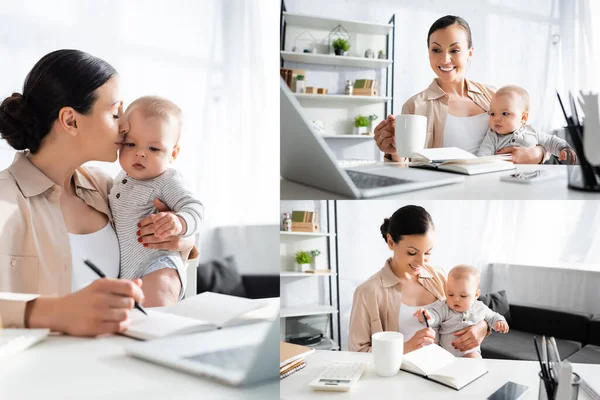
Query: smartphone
x,y
529,177
509,391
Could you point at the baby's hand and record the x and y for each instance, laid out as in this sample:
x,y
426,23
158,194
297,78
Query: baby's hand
x,y
167,224
419,314
567,151
501,326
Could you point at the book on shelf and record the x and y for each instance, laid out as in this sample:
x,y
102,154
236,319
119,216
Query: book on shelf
x,y
204,312
317,271
453,159
436,364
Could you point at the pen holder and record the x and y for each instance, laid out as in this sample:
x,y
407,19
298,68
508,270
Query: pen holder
x,y
547,388
583,175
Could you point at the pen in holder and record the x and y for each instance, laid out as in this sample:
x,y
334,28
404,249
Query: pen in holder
x,y
585,140
547,390
582,175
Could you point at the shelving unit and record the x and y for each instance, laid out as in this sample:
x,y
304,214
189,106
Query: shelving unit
x,y
320,305
342,98
323,69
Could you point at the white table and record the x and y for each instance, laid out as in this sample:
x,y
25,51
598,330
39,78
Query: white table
x,y
410,386
477,187
64,367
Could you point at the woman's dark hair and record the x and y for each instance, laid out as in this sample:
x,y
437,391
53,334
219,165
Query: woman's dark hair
x,y
447,21
63,78
408,220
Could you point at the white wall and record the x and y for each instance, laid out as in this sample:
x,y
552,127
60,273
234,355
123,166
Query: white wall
x,y
511,39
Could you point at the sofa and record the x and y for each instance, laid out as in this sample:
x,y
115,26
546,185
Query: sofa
x,y
222,276
577,334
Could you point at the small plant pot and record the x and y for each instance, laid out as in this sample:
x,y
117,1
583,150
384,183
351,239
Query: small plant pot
x,y
339,52
360,130
303,267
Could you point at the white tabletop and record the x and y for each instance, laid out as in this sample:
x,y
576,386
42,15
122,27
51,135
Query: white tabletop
x,y
477,187
410,386
63,367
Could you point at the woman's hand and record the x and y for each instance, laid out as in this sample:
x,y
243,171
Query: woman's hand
x,y
384,136
470,337
101,307
421,338
524,155
172,243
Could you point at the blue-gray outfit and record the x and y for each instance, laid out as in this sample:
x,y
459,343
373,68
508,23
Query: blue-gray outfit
x,y
525,136
450,321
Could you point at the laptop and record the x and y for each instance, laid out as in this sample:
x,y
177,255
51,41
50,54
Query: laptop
x,y
236,356
306,158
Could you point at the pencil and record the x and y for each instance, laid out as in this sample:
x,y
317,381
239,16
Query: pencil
x,y
101,275
426,322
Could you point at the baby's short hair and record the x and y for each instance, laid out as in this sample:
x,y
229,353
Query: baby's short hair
x,y
516,90
155,106
465,271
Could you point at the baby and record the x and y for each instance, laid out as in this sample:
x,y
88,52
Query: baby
x,y
149,147
461,310
509,111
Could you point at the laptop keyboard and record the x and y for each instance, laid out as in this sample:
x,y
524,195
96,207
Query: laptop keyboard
x,y
370,181
238,358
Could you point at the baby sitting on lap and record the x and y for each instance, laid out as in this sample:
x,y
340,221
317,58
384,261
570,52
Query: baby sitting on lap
x,y
461,310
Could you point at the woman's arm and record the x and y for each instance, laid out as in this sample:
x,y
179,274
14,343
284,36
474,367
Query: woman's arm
x,y
525,155
471,337
359,335
99,308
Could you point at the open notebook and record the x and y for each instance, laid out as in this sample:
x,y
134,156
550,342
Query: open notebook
x,y
204,312
439,365
453,159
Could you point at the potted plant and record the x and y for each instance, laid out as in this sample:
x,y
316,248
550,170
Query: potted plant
x,y
340,46
380,55
360,124
313,255
303,259
371,118
300,84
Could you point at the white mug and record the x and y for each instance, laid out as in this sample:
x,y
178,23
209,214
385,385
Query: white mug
x,y
387,349
410,134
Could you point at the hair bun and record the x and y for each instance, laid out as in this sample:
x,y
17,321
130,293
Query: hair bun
x,y
18,124
385,228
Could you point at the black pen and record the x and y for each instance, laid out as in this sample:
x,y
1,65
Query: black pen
x,y
426,323
101,275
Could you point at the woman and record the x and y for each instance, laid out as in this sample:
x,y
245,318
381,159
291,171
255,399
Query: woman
x,y
456,108
387,300
54,212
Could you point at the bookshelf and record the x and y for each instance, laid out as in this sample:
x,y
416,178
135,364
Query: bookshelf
x,y
310,299
326,70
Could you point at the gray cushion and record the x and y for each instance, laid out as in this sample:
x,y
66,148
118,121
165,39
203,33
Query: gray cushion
x,y
497,302
588,355
518,345
220,276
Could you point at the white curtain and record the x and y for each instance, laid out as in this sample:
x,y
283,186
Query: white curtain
x,y
213,58
571,55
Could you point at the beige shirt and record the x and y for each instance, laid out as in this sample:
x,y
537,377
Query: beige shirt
x,y
35,254
433,103
376,303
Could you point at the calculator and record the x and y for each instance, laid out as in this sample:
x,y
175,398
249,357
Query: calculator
x,y
338,377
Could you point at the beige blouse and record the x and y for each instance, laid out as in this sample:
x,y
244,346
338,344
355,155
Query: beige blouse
x,y
376,303
35,254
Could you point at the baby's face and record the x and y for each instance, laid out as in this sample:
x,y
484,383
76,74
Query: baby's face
x,y
507,113
148,147
461,293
